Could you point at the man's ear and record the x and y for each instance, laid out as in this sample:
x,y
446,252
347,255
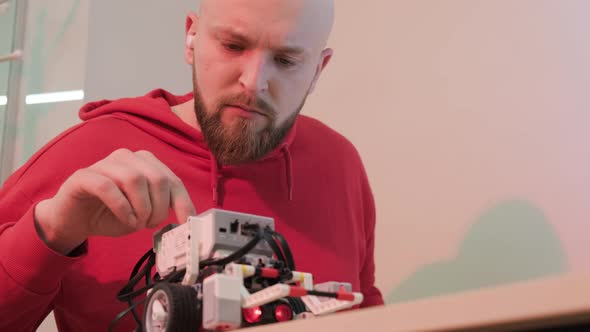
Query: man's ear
x,y
324,60
190,33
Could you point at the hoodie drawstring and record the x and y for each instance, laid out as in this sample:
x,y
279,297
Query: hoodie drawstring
x,y
214,180
289,169
215,176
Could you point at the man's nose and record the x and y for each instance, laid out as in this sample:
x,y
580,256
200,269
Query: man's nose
x,y
255,74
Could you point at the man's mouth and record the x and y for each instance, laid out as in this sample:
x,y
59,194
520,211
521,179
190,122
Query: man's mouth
x,y
248,109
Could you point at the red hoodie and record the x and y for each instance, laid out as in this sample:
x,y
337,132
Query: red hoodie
x,y
314,185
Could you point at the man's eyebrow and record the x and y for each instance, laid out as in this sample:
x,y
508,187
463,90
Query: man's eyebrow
x,y
229,32
295,50
232,33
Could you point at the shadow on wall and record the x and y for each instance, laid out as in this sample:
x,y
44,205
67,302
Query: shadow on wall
x,y
509,243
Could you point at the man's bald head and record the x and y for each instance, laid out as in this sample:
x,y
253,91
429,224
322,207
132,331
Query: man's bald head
x,y
312,18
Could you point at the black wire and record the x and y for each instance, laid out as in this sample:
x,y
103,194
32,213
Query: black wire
x,y
175,276
134,313
269,238
148,279
131,295
133,280
148,282
236,255
140,262
127,292
286,250
172,277
323,294
123,313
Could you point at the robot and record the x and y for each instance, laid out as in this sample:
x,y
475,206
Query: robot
x,y
224,270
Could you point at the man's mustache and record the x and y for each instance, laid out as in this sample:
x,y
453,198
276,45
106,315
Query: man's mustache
x,y
249,103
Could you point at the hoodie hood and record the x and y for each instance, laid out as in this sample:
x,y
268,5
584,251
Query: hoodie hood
x,y
153,114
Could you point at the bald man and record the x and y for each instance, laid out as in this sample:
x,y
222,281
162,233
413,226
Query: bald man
x,y
77,216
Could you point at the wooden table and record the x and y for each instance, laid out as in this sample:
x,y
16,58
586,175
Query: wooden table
x,y
525,306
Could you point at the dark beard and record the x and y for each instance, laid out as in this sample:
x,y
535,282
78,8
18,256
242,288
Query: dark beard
x,y
241,142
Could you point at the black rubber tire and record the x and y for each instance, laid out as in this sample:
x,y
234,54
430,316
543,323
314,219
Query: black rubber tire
x,y
184,308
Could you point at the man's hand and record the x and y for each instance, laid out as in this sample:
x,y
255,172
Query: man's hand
x,y
121,194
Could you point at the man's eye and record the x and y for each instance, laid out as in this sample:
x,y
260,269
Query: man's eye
x,y
233,47
285,62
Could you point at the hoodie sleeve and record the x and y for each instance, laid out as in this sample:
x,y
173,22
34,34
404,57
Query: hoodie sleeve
x,y
30,272
372,295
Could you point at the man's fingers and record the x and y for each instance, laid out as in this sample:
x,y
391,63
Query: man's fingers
x,y
151,187
86,182
180,202
132,183
159,181
179,198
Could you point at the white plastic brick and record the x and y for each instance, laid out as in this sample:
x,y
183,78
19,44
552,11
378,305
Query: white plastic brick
x,y
267,295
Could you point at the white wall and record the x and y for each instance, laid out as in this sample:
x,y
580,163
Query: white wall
x,y
472,119
136,46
